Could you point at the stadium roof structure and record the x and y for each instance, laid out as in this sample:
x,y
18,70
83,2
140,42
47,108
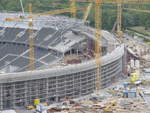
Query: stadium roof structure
x,y
54,36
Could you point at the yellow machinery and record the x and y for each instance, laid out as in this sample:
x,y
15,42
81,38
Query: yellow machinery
x,y
98,24
30,107
148,43
134,77
36,101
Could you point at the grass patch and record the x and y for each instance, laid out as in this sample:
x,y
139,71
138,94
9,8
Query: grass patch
x,y
140,30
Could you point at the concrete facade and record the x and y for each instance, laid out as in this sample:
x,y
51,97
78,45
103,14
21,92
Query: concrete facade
x,y
51,85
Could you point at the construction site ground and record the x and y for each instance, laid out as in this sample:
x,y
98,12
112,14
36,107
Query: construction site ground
x,y
108,100
113,99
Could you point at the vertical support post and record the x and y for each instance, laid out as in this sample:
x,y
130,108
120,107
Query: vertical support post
x,y
31,42
1,96
22,6
98,24
56,90
47,88
14,95
26,94
73,8
119,20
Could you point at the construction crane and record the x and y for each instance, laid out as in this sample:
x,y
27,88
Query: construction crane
x,y
88,9
119,20
118,1
119,16
31,42
72,9
98,24
98,36
136,10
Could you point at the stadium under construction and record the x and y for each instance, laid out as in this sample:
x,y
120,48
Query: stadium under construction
x,y
64,60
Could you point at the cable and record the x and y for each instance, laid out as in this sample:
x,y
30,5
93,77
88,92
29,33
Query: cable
x,y
22,6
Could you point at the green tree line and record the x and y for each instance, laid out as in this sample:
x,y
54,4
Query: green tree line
x,y
109,13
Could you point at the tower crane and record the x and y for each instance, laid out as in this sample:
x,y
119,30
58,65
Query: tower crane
x,y
98,25
136,10
119,16
72,9
31,42
119,20
98,36
87,12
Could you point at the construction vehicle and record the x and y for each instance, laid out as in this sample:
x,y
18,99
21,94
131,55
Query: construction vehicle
x,y
98,24
36,102
31,107
108,110
148,43
134,77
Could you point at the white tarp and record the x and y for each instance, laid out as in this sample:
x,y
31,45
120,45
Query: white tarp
x,y
132,63
137,63
8,111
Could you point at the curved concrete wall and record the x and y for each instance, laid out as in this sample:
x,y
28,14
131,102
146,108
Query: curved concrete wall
x,y
72,81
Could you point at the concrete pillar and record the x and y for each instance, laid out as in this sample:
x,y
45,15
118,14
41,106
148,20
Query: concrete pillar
x,y
36,87
1,96
77,52
56,89
26,93
80,87
124,60
13,96
73,85
47,88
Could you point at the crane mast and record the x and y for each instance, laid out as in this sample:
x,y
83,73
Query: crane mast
x,y
98,54
86,14
31,42
98,25
119,20
136,10
73,8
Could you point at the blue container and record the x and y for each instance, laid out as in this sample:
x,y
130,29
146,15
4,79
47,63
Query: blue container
x,y
129,94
